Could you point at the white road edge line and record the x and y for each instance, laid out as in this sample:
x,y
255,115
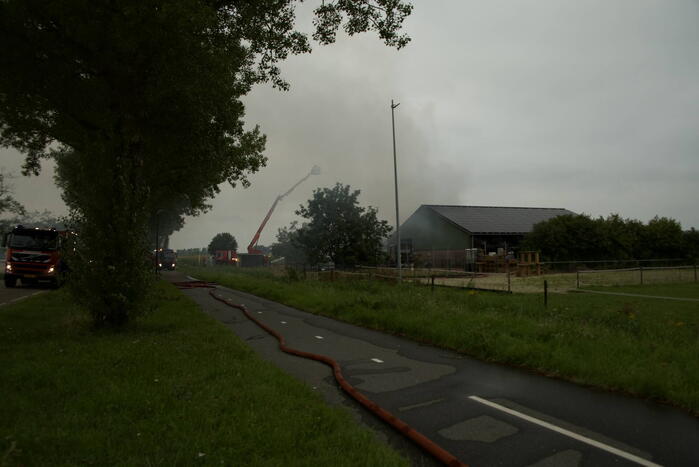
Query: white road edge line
x,y
22,297
192,278
283,322
318,337
570,434
376,360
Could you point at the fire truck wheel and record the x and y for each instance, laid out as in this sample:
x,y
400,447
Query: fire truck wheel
x,y
10,281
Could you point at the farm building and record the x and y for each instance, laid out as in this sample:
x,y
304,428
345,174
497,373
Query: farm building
x,y
440,236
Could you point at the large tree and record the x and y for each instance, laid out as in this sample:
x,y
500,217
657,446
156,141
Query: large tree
x,y
222,241
339,229
139,102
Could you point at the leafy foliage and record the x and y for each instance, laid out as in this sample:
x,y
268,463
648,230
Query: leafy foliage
x,y
580,238
340,230
8,204
140,105
287,246
691,242
222,241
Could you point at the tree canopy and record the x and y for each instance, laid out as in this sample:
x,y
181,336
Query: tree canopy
x,y
580,238
8,203
287,246
139,103
338,229
222,241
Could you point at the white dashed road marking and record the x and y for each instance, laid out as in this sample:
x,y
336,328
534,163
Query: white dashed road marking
x,y
318,337
283,322
570,434
376,360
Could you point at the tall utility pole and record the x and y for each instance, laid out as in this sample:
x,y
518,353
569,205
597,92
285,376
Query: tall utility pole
x,y
395,174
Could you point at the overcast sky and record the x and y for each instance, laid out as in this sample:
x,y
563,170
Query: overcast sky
x,y
587,105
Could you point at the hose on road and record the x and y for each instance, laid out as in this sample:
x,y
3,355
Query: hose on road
x,y
195,285
406,430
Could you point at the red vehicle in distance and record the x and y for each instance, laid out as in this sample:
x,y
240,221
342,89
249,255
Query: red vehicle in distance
x,y
33,256
226,257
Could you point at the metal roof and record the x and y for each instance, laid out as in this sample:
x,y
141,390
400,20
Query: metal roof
x,y
494,219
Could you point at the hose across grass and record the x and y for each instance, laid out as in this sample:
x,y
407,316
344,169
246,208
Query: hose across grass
x,y
175,388
633,345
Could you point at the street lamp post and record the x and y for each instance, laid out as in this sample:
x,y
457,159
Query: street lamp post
x,y
395,174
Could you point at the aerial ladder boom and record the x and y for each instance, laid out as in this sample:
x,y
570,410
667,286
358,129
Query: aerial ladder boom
x,y
253,244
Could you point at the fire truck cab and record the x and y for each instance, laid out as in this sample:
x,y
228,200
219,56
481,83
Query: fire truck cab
x,y
167,259
32,256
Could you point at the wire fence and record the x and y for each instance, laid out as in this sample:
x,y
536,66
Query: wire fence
x,y
637,276
559,277
551,267
582,275
418,276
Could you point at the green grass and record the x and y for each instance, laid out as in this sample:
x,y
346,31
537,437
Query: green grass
x,y
176,388
686,290
644,347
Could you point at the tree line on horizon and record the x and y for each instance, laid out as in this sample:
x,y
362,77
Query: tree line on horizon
x,y
580,237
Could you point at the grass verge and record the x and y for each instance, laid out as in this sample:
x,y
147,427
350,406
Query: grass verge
x,y
634,345
176,388
686,290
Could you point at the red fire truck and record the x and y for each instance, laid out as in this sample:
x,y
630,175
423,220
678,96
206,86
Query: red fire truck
x,y
226,257
33,255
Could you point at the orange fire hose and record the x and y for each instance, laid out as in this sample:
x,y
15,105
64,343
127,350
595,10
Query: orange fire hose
x,y
418,438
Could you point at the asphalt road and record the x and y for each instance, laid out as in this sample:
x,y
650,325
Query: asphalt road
x,y
485,414
13,295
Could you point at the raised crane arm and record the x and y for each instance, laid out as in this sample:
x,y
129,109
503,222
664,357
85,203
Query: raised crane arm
x,y
251,247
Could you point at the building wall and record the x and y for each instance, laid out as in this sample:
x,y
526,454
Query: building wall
x,y
429,231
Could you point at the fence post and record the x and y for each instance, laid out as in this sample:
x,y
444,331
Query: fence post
x,y
695,272
640,269
432,282
509,285
577,279
546,294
